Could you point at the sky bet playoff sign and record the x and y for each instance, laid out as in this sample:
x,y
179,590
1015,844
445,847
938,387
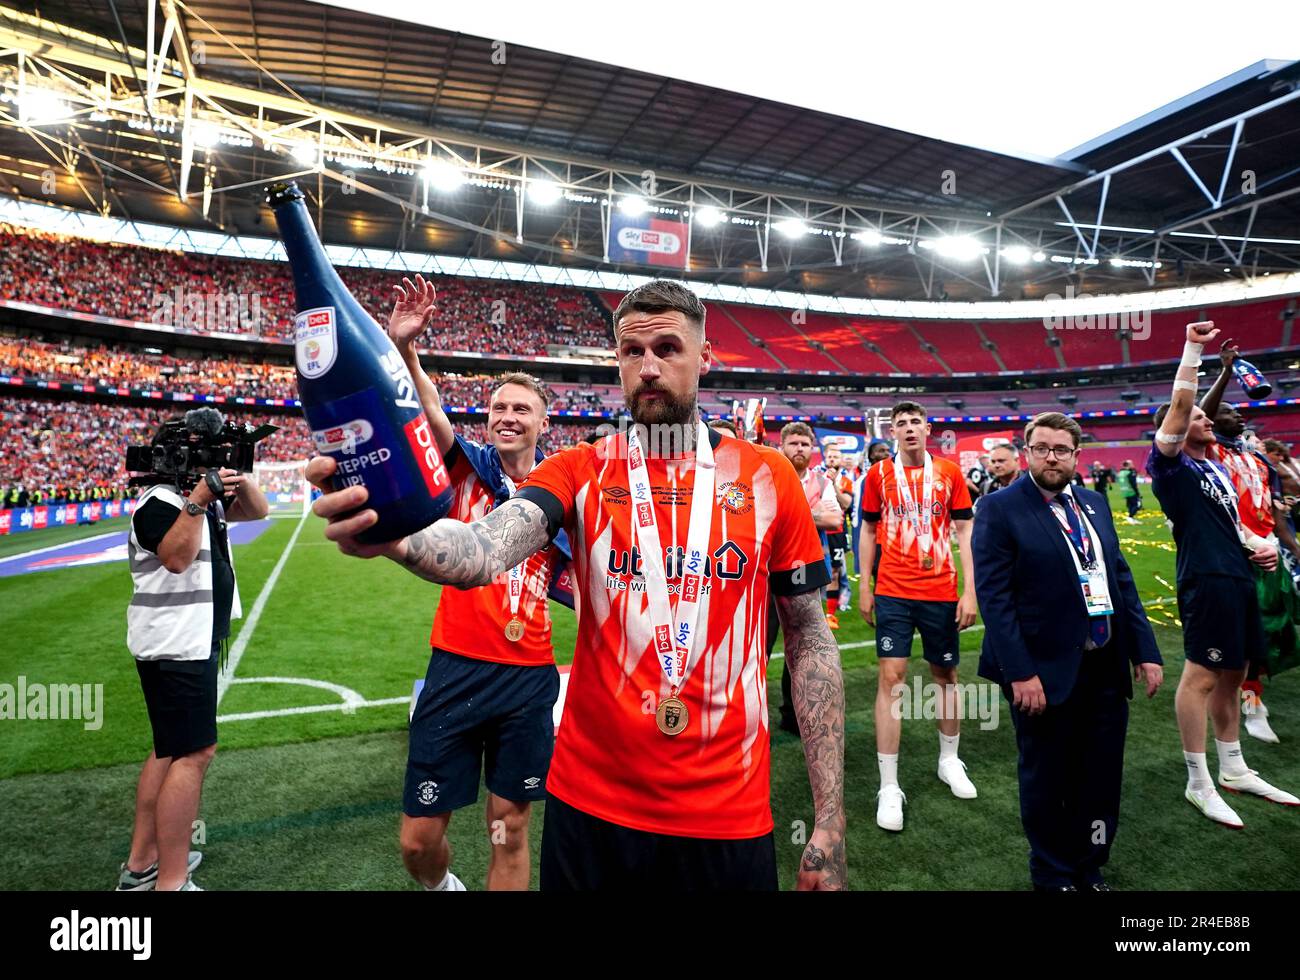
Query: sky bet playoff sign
x,y
647,240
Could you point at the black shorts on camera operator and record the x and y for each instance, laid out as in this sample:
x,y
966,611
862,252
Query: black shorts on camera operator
x,y
196,474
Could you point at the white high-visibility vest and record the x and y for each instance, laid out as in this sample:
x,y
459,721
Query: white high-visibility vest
x,y
170,615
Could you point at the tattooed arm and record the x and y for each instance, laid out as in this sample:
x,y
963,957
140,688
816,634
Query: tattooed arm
x,y
454,553
813,660
448,552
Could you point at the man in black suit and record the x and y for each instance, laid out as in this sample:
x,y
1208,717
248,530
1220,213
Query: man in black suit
x,y
1062,622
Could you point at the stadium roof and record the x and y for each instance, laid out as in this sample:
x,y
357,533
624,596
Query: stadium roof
x,y
360,87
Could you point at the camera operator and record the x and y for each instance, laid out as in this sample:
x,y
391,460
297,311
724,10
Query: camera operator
x,y
185,596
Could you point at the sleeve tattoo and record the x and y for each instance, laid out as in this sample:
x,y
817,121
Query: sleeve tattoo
x,y
451,552
813,660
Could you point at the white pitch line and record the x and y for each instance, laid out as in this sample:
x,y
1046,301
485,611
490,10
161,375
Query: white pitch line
x,y
313,708
56,547
250,624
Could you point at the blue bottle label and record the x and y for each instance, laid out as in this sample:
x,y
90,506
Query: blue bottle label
x,y
315,341
357,431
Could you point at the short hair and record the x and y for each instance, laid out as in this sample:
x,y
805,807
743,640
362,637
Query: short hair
x,y
659,296
1003,445
796,429
1274,446
908,408
1058,421
524,381
1161,412
727,424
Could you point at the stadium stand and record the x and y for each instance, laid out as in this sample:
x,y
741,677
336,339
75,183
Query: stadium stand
x,y
140,284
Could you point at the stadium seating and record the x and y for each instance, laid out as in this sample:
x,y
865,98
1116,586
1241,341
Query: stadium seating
x,y
140,284
1022,344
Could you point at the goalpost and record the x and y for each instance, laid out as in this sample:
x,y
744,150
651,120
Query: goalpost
x,y
285,486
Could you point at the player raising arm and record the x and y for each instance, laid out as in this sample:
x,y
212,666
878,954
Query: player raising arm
x,y
1217,603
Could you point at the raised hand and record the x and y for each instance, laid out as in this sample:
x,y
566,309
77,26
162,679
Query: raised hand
x,y
1228,353
1201,332
412,310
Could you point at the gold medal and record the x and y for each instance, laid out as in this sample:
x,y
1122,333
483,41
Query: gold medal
x,y
672,716
515,630
927,563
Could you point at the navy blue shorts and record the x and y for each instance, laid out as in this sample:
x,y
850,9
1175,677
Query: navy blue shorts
x,y
1222,629
896,619
181,698
478,717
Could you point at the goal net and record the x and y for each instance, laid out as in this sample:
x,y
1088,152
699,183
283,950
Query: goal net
x,y
285,486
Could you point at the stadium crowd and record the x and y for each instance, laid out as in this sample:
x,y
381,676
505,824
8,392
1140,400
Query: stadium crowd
x,y
256,298
52,450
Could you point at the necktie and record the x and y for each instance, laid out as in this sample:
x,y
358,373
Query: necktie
x,y
1099,626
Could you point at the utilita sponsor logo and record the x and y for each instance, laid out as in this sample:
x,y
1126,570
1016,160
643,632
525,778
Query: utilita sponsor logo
x,y
125,933
420,437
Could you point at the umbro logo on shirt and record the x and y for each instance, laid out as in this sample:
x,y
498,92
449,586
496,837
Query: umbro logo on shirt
x,y
616,495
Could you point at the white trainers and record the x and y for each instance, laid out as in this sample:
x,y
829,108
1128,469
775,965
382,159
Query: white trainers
x,y
144,881
1210,803
1249,782
889,808
1257,725
189,886
953,772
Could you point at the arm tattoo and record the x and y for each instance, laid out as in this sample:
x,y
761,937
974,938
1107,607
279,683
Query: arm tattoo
x,y
813,660
452,552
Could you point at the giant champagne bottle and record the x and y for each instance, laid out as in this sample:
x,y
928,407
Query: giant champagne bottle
x,y
356,391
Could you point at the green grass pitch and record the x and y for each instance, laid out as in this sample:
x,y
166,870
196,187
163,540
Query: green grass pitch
x,y
312,800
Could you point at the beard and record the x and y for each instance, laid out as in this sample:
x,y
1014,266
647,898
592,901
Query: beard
x,y
1054,481
667,409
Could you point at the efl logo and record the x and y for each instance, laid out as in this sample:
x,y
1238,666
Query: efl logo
x,y
663,639
420,437
690,588
645,514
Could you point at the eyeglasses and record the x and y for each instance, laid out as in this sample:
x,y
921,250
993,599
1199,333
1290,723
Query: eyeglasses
x,y
1059,452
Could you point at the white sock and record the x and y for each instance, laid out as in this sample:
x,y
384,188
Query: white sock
x,y
1198,773
948,746
1231,761
888,769
445,885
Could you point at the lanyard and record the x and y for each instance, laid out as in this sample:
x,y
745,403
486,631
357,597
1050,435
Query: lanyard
x,y
674,629
1228,501
924,537
517,572
1083,548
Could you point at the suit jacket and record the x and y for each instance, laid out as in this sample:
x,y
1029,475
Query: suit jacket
x,y
1035,619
